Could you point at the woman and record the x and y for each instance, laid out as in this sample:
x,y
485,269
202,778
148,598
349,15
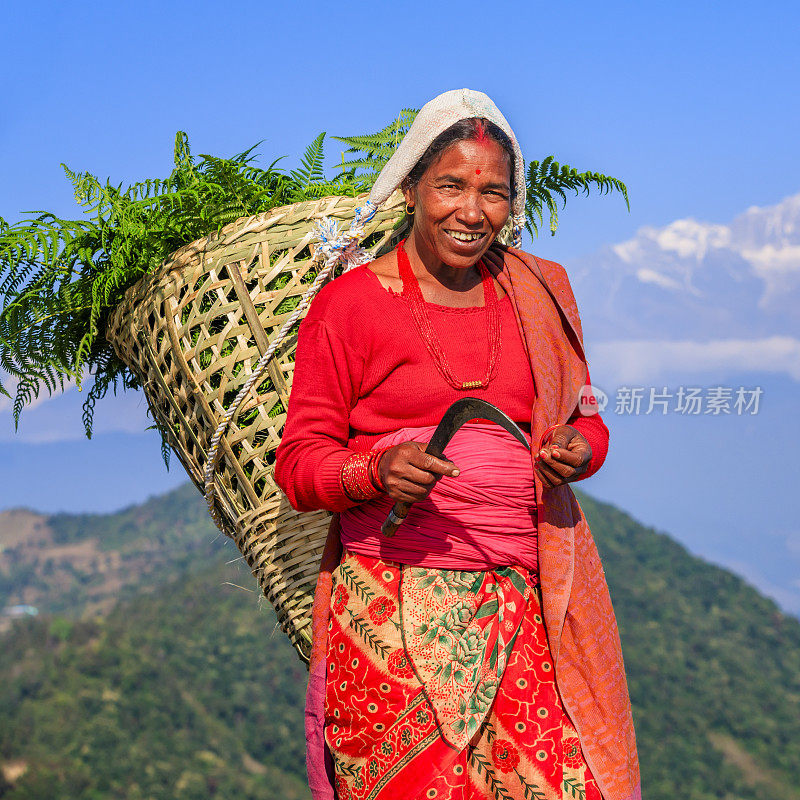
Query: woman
x,y
475,653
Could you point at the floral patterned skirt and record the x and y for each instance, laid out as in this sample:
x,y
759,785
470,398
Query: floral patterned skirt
x,y
440,685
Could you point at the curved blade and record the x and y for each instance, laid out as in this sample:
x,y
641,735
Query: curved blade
x,y
465,410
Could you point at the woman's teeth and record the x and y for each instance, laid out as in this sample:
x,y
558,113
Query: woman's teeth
x,y
463,236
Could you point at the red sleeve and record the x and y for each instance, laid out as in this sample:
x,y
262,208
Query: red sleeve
x,y
313,447
594,430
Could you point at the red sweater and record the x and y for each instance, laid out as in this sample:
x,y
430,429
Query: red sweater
x,y
362,370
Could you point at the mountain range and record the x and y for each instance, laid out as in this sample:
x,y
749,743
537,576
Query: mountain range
x,y
698,280
154,669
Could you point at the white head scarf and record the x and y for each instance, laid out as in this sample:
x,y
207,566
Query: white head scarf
x,y
434,117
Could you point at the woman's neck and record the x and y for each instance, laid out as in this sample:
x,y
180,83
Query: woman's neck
x,y
431,270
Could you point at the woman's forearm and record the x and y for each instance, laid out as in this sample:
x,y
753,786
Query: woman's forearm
x,y
313,447
310,475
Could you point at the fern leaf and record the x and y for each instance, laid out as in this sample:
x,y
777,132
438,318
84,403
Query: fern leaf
x,y
547,179
311,166
371,152
27,390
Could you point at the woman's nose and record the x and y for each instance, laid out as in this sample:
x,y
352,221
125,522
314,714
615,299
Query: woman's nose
x,y
470,212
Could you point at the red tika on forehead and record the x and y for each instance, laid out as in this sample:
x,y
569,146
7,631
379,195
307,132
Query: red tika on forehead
x,y
479,131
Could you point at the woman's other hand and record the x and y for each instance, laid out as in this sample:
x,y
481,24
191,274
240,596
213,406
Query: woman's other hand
x,y
565,458
408,473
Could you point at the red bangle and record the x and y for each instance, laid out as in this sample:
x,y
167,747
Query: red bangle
x,y
373,468
355,477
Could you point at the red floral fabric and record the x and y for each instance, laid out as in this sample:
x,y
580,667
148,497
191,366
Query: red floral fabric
x,y
440,684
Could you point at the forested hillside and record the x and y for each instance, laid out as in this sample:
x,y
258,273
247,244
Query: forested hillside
x,y
85,563
186,693
185,690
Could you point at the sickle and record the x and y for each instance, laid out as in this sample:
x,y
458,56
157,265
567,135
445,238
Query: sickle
x,y
462,411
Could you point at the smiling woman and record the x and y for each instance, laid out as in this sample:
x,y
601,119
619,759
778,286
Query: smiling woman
x,y
466,163
459,204
475,653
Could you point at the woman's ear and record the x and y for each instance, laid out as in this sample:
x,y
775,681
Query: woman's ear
x,y
409,193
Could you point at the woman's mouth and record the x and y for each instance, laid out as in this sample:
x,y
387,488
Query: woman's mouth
x,y
465,236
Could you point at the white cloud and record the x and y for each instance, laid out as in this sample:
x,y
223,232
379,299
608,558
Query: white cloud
x,y
771,258
779,268
689,238
58,417
765,239
685,238
646,275
628,251
642,361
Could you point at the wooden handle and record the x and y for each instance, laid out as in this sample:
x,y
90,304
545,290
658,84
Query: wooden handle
x,y
397,516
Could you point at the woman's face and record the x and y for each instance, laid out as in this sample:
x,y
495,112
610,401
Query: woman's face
x,y
461,202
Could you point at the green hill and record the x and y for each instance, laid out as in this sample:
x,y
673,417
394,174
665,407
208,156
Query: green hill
x,y
713,668
188,692
184,689
85,563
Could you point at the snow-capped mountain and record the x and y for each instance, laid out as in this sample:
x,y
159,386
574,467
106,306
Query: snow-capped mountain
x,y
698,280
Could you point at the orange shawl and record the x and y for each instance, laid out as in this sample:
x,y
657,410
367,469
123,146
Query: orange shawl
x,y
581,626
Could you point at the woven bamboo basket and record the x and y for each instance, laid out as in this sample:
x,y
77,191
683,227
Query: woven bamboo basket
x,y
193,332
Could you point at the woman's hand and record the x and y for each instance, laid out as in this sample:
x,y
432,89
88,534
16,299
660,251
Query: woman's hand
x,y
408,473
565,458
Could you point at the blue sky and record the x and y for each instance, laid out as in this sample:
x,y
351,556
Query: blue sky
x,y
693,105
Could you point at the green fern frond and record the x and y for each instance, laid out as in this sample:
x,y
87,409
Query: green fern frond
x,y
548,178
371,152
311,164
27,390
166,451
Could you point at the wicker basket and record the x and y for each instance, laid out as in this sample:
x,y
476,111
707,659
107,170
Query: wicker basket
x,y
192,333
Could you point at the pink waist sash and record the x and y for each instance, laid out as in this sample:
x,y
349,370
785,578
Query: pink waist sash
x,y
484,518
